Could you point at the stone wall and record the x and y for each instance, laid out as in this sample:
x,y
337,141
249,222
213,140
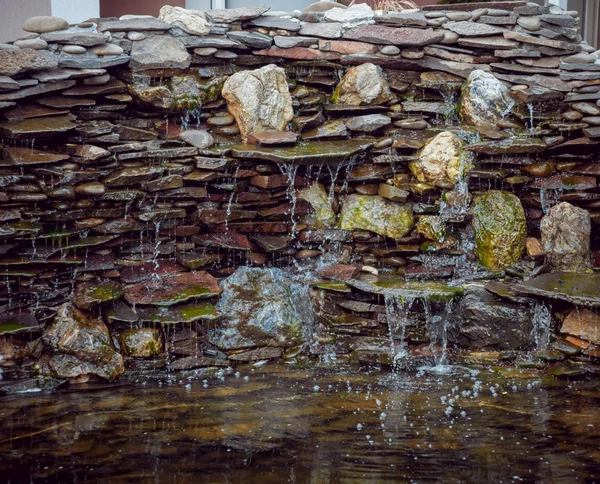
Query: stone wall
x,y
145,160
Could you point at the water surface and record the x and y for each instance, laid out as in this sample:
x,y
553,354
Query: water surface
x,y
280,423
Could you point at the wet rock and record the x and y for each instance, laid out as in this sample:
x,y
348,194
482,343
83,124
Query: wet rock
x,y
173,289
484,321
566,238
368,122
484,103
584,324
45,24
142,342
82,345
376,214
191,21
431,227
93,293
323,216
37,127
260,100
364,84
441,160
131,176
28,156
264,308
509,146
499,226
159,52
580,289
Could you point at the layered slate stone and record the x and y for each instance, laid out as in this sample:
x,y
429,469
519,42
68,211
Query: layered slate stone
x,y
30,156
394,285
173,289
159,52
305,153
576,288
404,36
23,60
37,127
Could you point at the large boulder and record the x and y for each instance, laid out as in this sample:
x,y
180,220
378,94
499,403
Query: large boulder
x,y
566,238
81,345
159,52
376,214
485,322
323,216
499,226
363,84
260,99
484,102
262,307
191,21
441,160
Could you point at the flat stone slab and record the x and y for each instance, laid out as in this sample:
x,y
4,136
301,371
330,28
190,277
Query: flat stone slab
x,y
392,285
403,36
36,127
509,146
29,156
136,24
575,288
309,153
473,29
13,323
183,313
173,289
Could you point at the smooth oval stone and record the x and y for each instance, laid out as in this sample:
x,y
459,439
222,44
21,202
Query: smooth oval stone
x,y
88,223
136,36
97,80
36,44
106,49
220,121
390,50
458,16
203,51
91,189
225,54
198,138
43,24
74,49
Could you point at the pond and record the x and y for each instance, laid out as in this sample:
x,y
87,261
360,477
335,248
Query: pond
x,y
282,423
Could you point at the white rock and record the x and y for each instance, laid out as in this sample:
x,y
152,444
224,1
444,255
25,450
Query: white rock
x,y
360,13
192,21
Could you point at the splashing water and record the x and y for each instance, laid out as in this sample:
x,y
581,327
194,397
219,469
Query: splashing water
x,y
540,333
289,171
397,309
531,125
437,328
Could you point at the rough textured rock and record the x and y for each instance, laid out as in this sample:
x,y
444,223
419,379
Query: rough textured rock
x,y
566,238
376,214
584,324
403,36
18,61
230,15
260,100
485,322
323,216
264,307
499,226
363,84
484,102
191,21
142,342
86,341
159,52
441,160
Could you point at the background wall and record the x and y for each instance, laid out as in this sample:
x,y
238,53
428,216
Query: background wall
x,y
75,11
116,8
13,14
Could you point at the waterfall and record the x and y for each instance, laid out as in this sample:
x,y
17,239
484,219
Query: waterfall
x,y
540,333
437,328
397,309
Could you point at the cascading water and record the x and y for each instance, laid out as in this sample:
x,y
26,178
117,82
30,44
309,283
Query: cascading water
x,y
397,309
541,321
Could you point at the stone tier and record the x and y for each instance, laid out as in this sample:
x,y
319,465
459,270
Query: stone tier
x,y
157,173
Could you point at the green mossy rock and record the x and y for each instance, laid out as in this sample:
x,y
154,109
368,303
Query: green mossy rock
x,y
376,214
323,216
442,159
499,226
142,342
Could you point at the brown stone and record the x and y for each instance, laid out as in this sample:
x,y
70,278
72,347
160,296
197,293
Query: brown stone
x,y
23,60
404,36
583,323
272,138
346,47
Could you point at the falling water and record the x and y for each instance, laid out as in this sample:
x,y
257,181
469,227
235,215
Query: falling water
x,y
397,309
437,328
531,126
289,171
540,333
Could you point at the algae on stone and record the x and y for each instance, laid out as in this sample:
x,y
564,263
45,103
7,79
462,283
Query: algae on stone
x,y
499,227
376,214
323,216
441,160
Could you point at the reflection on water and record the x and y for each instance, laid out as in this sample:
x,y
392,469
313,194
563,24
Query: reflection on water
x,y
276,424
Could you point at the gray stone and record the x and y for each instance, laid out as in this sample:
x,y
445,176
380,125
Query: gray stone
x,y
86,39
458,16
38,89
401,19
269,22
252,39
136,36
530,39
263,307
323,6
403,36
485,322
230,15
325,30
389,50
291,42
204,51
494,42
74,49
91,62
566,238
484,102
8,84
225,54
45,24
135,24
210,41
472,29
106,49
532,24
368,122
357,13
159,52
363,84
198,138
560,20
580,58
